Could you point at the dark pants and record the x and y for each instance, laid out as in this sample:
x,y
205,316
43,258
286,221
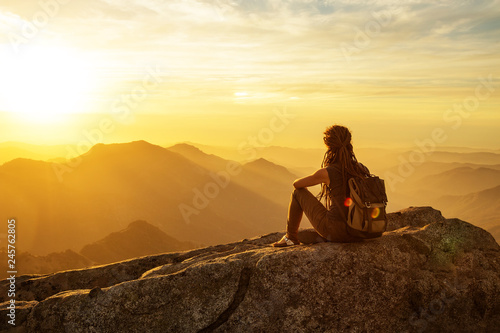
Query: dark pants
x,y
326,228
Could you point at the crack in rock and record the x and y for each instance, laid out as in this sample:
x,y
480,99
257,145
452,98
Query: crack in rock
x,y
239,295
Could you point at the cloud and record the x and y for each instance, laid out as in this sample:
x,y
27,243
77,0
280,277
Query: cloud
x,y
277,44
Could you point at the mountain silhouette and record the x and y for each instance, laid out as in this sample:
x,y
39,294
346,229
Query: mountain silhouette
x,y
470,157
269,169
28,264
196,155
100,191
265,178
272,181
67,205
291,158
140,238
457,181
12,150
481,208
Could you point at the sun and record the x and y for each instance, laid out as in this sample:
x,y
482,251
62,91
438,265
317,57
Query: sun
x,y
44,84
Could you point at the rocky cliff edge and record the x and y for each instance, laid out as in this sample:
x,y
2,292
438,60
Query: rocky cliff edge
x,y
427,273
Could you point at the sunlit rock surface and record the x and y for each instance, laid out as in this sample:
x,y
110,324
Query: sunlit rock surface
x,y
427,274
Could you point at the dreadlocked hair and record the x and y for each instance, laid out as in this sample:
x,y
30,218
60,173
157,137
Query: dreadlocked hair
x,y
338,141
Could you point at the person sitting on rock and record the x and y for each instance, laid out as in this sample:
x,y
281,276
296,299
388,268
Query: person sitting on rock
x,y
339,164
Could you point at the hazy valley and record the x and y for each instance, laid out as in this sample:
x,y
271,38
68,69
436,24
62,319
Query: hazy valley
x,y
79,210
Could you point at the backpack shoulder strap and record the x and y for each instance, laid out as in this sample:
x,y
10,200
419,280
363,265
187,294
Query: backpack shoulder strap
x,y
355,191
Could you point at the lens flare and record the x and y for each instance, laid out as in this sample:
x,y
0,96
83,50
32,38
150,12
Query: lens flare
x,y
348,202
375,212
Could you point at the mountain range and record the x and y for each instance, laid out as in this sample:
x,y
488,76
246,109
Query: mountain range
x,y
194,195
138,239
456,181
13,150
481,208
61,206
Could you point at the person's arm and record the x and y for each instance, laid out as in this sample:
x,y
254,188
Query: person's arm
x,y
320,176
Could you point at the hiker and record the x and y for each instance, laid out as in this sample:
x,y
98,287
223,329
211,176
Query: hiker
x,y
339,164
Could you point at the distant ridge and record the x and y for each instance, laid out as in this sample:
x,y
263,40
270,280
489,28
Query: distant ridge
x,y
266,163
185,147
140,238
466,157
53,262
198,156
113,184
459,181
481,208
268,168
12,150
120,148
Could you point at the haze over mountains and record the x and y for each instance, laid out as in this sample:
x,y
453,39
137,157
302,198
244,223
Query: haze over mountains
x,y
194,195
435,180
112,185
138,239
13,150
483,207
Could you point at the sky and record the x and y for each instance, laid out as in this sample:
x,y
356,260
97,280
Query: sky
x,y
222,72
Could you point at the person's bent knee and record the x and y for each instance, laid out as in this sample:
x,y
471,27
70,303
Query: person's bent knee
x,y
296,191
301,192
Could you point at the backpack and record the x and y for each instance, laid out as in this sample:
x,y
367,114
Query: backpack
x,y
367,202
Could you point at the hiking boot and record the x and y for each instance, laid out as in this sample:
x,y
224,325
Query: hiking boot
x,y
285,241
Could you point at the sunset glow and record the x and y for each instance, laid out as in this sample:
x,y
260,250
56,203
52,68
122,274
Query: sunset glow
x,y
223,64
45,83
177,165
